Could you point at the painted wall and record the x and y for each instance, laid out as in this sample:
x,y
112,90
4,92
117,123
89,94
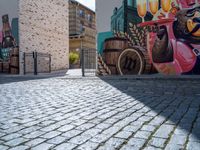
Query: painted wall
x,y
168,43
9,36
43,27
9,7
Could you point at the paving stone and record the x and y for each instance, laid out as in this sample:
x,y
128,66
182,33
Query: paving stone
x,y
157,142
91,132
11,136
103,126
100,138
79,139
136,142
129,147
72,133
151,148
16,142
142,134
193,146
79,122
112,130
164,131
148,128
113,143
66,128
46,123
157,121
51,134
88,146
178,139
2,147
56,140
179,131
2,134
174,147
1,141
29,130
131,128
194,138
34,134
65,146
85,126
43,146
20,148
35,142
123,134
50,128
13,130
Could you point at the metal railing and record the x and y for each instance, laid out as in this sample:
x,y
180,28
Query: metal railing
x,y
37,62
88,61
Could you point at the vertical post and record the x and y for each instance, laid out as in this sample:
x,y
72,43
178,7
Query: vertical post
x,y
82,62
49,63
35,63
24,55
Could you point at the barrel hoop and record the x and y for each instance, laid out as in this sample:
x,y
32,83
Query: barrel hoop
x,y
111,50
11,66
139,54
111,65
15,55
115,38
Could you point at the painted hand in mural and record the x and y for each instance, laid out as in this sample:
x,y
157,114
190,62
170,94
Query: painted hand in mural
x,y
162,51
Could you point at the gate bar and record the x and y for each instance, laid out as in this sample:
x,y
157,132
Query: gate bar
x,y
82,63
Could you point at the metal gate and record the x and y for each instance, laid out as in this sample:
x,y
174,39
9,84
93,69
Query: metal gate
x,y
36,62
88,61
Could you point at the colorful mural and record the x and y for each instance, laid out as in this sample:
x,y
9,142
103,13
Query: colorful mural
x,y
9,51
159,36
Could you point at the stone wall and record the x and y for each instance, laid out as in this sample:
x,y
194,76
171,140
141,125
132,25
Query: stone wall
x,y
43,27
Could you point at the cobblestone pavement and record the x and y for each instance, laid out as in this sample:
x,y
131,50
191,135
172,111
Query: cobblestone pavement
x,y
95,114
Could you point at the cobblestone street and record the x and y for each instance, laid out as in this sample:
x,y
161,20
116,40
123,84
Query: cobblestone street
x,y
99,114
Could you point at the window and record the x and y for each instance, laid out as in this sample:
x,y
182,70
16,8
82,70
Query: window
x,y
89,17
81,13
81,26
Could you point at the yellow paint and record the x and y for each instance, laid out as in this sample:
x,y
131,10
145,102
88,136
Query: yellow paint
x,y
191,25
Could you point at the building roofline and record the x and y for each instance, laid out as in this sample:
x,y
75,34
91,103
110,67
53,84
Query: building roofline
x,y
78,3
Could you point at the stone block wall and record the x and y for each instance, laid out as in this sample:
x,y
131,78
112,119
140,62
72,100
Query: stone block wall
x,y
43,27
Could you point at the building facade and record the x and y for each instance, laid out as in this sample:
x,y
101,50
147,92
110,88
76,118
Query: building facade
x,y
82,27
41,26
126,14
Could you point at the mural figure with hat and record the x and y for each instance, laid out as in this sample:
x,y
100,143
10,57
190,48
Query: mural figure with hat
x,y
162,36
175,47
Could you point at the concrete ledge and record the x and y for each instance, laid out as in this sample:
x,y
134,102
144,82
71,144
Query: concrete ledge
x,y
152,77
62,75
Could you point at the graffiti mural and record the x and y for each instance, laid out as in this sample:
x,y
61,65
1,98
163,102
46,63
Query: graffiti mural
x,y
152,36
9,51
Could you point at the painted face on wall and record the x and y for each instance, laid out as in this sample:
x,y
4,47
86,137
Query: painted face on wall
x,y
187,25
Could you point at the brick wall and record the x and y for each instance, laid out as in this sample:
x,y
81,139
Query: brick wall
x,y
43,26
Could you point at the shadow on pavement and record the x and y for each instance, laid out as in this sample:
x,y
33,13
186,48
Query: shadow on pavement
x,y
178,99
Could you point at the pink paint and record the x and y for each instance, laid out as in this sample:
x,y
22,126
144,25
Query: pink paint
x,y
1,36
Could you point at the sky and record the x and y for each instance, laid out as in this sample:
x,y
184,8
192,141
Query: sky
x,y
88,3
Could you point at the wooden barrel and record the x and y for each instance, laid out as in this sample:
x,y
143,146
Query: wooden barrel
x,y
112,49
134,61
14,61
